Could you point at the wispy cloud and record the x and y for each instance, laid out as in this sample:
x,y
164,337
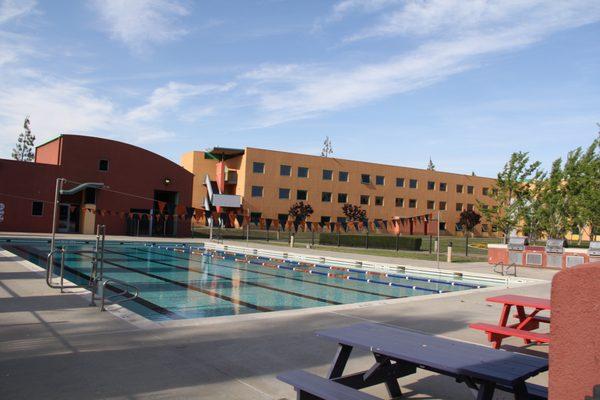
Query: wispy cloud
x,y
13,9
141,23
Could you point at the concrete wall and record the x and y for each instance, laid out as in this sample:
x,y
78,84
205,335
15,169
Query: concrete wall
x,y
575,330
498,253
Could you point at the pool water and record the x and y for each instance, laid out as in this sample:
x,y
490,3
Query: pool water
x,y
179,282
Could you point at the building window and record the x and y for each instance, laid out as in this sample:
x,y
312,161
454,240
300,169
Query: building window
x,y
470,207
442,226
326,197
103,165
255,217
285,170
282,218
364,200
342,198
327,175
365,178
443,186
284,193
343,176
494,228
484,227
399,182
258,167
380,180
257,191
459,206
430,205
399,202
458,227
412,203
459,188
413,183
301,195
325,220
430,185
442,206
37,208
378,200
470,189
302,172
485,191
341,219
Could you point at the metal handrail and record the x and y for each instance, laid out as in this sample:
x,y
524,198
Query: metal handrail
x,y
124,285
505,268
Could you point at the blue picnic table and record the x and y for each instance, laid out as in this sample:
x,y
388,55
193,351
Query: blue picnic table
x,y
399,352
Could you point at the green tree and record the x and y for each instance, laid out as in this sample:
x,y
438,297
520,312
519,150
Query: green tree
x,y
354,213
554,214
468,219
511,192
23,150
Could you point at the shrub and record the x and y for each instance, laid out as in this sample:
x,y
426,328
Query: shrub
x,y
375,241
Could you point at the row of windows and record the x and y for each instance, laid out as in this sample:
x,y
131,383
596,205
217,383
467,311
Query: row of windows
x,y
326,197
343,176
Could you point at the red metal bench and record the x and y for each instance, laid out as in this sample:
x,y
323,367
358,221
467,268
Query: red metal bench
x,y
496,333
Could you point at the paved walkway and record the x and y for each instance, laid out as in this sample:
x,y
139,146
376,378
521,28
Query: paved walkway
x,y
54,346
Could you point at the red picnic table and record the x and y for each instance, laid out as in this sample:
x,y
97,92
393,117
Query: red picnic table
x,y
528,320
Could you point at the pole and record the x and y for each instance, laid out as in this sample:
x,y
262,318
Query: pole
x,y
467,244
210,227
430,243
248,227
438,240
59,185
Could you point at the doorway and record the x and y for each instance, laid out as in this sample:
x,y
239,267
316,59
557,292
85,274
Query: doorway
x,y
68,218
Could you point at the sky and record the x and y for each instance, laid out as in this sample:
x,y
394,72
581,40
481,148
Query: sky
x,y
463,82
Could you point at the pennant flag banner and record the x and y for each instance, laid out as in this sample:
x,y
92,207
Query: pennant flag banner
x,y
276,224
240,220
261,223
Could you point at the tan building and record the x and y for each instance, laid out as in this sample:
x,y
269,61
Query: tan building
x,y
269,182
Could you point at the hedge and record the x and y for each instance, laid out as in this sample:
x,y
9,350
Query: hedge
x,y
375,241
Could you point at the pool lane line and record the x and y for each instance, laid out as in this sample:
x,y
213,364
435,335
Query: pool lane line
x,y
266,287
328,275
141,301
282,276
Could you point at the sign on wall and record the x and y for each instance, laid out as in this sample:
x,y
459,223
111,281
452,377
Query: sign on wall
x,y
2,207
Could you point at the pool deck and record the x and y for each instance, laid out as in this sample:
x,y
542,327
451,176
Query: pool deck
x,y
54,346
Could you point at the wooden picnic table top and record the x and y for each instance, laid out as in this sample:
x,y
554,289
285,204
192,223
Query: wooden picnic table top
x,y
446,356
525,301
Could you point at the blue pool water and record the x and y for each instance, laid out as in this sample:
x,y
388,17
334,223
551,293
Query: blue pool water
x,y
182,283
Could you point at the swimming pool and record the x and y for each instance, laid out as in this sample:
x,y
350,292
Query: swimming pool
x,y
197,281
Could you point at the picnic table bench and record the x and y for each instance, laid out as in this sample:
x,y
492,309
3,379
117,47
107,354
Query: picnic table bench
x,y
399,352
528,321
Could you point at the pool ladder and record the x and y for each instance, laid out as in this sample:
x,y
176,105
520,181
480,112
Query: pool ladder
x,y
504,270
96,281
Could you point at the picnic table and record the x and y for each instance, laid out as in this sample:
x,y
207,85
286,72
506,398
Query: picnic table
x,y
528,320
399,352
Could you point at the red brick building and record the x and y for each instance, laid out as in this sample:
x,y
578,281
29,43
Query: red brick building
x,y
138,184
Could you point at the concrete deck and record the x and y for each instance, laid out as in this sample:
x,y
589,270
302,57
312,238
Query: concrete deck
x,y
54,346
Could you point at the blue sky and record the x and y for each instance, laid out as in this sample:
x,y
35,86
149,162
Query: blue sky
x,y
463,82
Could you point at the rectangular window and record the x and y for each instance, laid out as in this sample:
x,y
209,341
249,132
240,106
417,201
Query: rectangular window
x,y
470,189
378,200
364,200
325,220
380,180
103,165
430,185
327,175
343,176
399,202
341,219
459,188
443,186
458,227
258,167
365,178
302,172
412,203
494,228
484,227
470,207
285,170
255,217
326,197
459,206
442,226
37,208
442,206
413,183
430,205
342,198
257,191
399,182
284,193
301,195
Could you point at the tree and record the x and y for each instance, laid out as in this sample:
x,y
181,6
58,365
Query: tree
x,y
327,148
354,213
553,196
511,192
23,150
469,219
431,165
300,211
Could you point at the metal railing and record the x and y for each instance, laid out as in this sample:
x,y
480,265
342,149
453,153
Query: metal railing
x,y
504,270
96,278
